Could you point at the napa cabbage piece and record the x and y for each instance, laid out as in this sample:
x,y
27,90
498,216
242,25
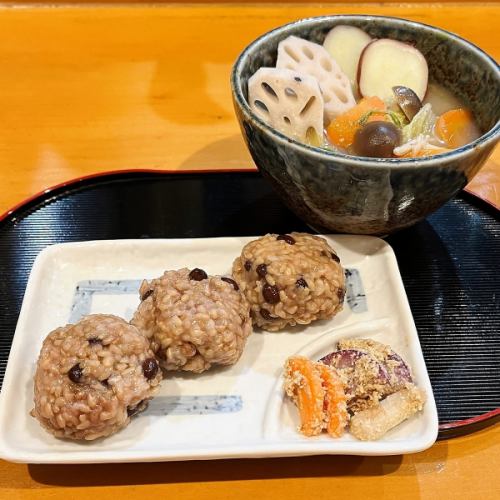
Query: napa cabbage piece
x,y
421,125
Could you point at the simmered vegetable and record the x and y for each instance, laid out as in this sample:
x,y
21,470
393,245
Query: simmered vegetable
x,y
378,113
303,56
341,130
418,147
422,124
377,139
345,44
385,63
457,128
407,100
290,102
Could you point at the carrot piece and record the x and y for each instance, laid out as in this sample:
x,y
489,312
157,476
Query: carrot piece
x,y
342,129
457,128
335,400
303,385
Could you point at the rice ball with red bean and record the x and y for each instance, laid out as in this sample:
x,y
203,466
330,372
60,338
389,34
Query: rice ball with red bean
x,y
290,279
193,320
92,377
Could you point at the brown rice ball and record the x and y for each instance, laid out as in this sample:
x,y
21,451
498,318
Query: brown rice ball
x,y
290,279
92,376
193,320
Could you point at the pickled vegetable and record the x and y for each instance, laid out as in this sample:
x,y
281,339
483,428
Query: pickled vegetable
x,y
319,395
335,406
303,385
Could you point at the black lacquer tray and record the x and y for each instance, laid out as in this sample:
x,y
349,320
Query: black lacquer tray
x,y
449,262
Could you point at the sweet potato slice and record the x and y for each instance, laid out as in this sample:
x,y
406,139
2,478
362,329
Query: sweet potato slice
x,y
385,63
345,44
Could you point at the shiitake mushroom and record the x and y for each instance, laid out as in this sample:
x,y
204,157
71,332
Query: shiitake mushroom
x,y
407,100
376,139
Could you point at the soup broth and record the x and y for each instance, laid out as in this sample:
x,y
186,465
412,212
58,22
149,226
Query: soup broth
x,y
360,97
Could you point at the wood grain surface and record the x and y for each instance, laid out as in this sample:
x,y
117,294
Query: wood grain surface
x,y
91,89
88,89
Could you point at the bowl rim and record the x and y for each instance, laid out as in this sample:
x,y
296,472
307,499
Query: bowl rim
x,y
489,137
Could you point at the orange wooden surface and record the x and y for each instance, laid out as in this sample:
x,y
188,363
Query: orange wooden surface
x,y
90,89
93,89
148,2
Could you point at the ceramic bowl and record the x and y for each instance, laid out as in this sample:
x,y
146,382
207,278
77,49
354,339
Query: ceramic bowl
x,y
336,192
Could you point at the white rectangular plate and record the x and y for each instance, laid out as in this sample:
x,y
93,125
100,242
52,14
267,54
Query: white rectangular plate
x,y
236,411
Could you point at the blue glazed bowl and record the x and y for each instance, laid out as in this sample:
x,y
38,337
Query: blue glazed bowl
x,y
336,192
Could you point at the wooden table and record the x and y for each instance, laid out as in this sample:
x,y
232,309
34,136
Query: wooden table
x,y
91,89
